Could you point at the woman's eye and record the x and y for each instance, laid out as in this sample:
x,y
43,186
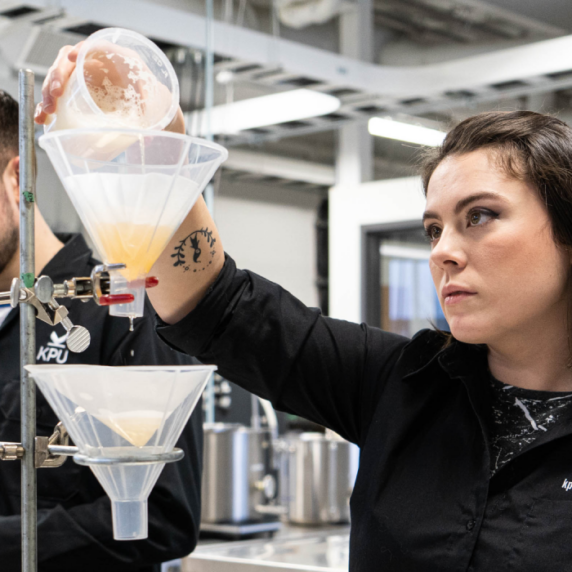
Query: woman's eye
x,y
433,233
480,217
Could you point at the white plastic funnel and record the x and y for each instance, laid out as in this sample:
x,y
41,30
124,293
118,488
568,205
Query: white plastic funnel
x,y
131,189
120,412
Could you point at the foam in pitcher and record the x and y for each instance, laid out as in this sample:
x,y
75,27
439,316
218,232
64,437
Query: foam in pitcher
x,y
132,95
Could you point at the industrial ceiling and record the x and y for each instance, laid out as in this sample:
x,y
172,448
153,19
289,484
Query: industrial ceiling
x,y
433,60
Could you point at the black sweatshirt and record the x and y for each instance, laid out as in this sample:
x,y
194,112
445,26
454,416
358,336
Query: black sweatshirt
x,y
74,514
423,501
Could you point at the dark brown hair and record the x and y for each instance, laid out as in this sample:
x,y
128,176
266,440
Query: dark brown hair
x,y
8,129
528,146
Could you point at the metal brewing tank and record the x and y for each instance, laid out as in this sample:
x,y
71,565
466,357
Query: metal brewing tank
x,y
317,475
237,473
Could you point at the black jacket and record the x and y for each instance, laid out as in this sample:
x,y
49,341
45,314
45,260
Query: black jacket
x,y
74,514
423,501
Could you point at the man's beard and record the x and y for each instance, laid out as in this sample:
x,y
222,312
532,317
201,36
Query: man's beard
x,y
9,239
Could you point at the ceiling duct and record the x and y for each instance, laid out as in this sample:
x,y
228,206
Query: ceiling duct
x,y
303,13
18,12
42,47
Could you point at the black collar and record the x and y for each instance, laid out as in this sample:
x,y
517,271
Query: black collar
x,y
428,347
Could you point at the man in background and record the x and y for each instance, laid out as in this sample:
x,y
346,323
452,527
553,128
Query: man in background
x,y
74,514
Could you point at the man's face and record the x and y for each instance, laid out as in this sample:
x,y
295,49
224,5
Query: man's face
x,y
8,228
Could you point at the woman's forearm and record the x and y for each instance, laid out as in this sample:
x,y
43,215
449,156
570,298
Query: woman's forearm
x,y
188,266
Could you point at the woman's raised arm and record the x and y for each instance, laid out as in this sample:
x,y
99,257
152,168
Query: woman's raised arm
x,y
181,286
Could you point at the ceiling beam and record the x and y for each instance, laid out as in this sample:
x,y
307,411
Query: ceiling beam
x,y
281,167
394,83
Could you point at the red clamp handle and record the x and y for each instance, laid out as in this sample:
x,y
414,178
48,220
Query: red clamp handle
x,y
151,282
113,299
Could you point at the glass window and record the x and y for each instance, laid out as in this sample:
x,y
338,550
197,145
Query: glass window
x,y
409,301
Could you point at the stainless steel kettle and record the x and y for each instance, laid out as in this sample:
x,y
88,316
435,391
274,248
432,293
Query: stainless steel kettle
x,y
238,474
317,474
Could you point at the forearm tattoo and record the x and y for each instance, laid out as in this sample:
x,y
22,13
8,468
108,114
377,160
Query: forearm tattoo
x,y
201,242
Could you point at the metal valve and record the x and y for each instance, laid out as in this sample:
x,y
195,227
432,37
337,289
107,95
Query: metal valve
x,y
267,486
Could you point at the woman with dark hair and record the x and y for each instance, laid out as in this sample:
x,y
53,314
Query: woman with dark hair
x,y
466,439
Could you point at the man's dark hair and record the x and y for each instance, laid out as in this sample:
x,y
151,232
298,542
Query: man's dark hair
x,y
8,129
527,146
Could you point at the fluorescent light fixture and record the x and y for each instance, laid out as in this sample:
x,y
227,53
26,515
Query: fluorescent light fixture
x,y
294,105
390,129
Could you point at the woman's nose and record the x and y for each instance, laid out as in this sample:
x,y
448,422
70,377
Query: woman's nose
x,y
448,251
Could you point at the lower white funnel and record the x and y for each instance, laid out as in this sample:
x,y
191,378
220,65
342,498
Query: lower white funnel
x,y
123,414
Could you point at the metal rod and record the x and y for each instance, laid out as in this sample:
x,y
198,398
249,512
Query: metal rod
x,y
209,67
209,191
209,91
254,412
27,321
66,450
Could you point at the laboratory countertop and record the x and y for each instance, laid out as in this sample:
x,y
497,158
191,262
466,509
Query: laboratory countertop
x,y
292,549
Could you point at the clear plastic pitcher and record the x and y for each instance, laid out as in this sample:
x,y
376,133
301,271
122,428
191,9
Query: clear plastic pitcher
x,y
121,79
123,414
132,202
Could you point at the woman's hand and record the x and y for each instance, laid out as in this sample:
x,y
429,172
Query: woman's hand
x,y
55,82
61,70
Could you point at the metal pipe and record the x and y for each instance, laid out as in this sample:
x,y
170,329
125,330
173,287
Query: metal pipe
x,y
209,191
254,412
27,321
271,419
66,450
209,92
209,67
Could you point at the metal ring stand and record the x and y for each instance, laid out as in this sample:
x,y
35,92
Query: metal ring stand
x,y
85,460
174,455
35,297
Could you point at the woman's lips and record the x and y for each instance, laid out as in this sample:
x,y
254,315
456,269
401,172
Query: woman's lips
x,y
457,297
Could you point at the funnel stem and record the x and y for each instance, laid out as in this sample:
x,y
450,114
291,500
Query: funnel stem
x,y
129,519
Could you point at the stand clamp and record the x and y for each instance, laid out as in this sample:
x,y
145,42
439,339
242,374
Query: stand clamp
x,y
46,453
45,457
11,451
43,292
52,452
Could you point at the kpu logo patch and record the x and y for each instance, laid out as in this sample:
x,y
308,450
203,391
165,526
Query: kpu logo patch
x,y
567,485
55,350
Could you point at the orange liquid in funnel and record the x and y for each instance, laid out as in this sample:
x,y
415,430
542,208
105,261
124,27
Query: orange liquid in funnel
x,y
136,245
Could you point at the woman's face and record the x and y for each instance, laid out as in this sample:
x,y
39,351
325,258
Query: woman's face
x,y
496,268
